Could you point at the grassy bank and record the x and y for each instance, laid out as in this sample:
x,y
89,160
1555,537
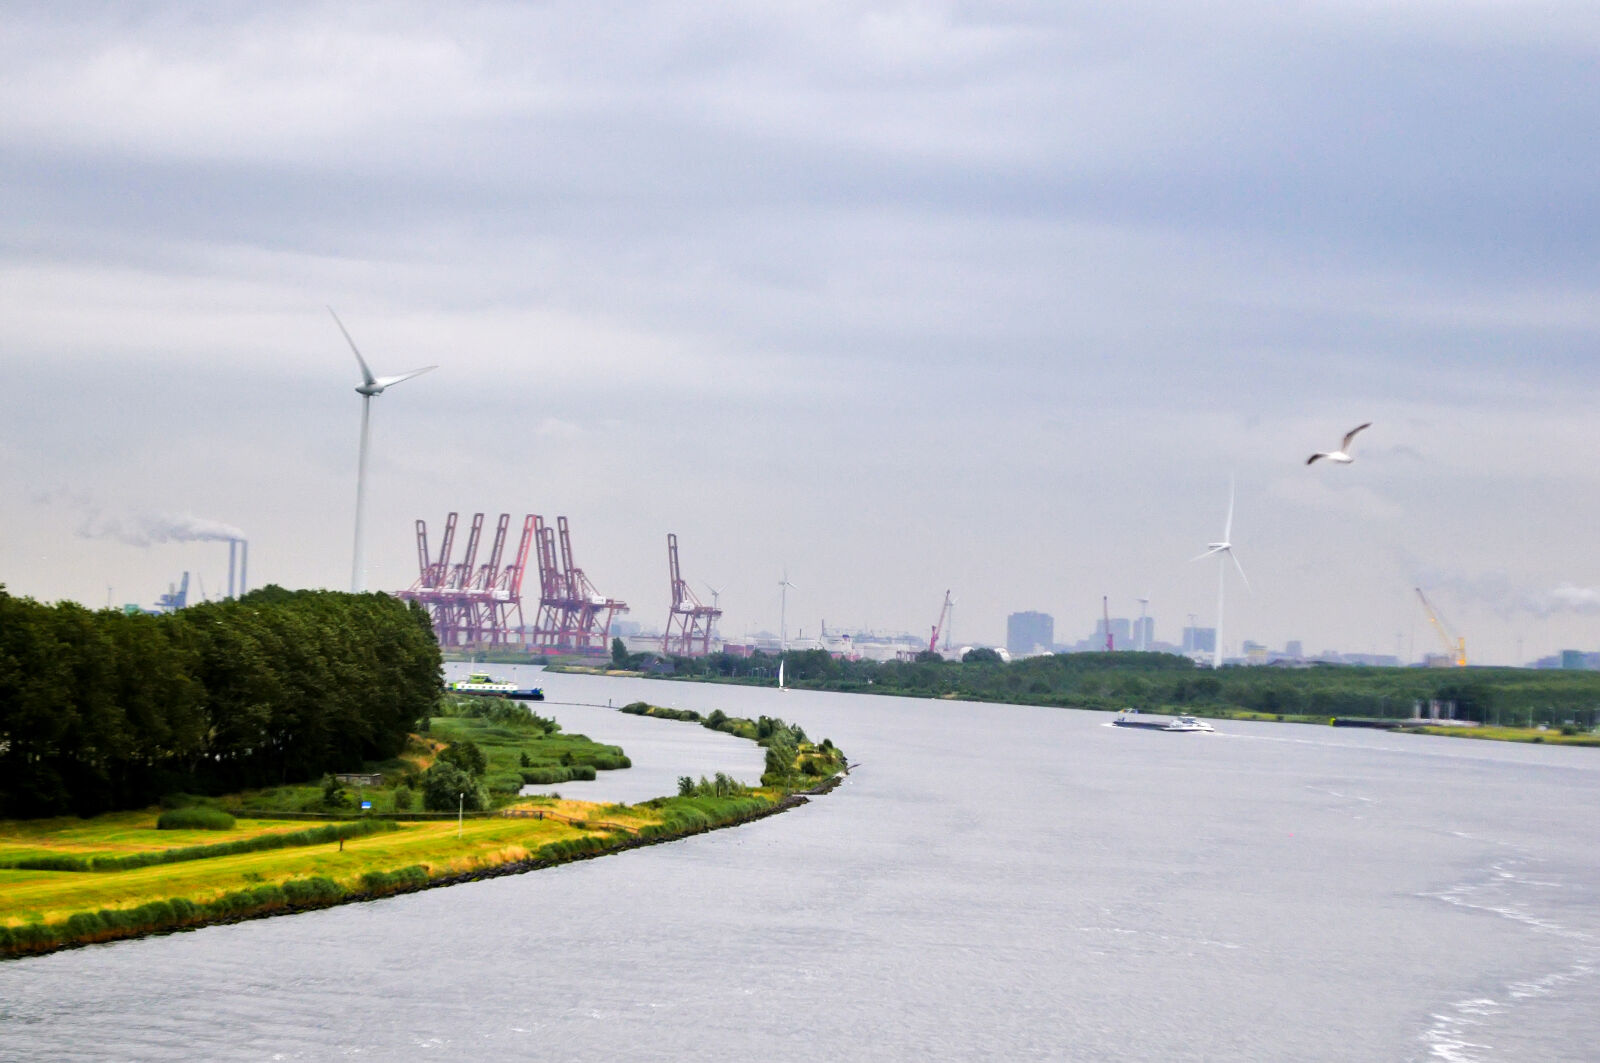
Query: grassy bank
x,y
67,882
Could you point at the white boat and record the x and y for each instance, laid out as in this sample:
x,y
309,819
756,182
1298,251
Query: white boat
x,y
1152,722
482,683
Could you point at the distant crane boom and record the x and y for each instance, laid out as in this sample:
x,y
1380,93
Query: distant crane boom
x,y
1455,646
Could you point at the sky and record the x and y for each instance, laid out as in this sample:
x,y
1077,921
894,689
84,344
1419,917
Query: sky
x,y
994,297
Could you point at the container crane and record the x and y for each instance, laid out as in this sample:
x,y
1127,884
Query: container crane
x,y
1455,646
944,614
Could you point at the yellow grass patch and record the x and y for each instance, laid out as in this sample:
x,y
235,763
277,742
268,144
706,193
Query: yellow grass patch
x,y
29,896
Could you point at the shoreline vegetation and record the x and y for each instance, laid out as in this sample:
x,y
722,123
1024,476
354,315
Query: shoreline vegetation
x,y
67,882
1496,704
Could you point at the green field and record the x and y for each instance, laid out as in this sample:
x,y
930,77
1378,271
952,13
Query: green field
x,y
210,880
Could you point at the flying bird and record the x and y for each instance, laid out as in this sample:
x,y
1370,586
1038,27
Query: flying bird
x,y
1342,455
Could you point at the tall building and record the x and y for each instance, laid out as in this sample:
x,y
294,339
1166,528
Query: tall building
x,y
1121,633
1199,639
1144,633
1294,648
1030,633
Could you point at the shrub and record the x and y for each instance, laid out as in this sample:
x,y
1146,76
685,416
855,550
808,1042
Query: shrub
x,y
545,776
315,890
194,818
446,787
464,754
504,782
405,799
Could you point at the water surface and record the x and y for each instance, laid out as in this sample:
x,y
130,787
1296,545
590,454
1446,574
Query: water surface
x,y
991,882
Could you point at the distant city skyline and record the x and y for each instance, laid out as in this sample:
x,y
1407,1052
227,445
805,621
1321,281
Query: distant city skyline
x,y
986,298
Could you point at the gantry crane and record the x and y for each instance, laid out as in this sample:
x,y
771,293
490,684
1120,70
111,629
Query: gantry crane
x,y
1455,645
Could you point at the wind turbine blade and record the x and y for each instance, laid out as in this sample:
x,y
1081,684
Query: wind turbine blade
x,y
1241,570
390,381
1208,553
1227,529
366,374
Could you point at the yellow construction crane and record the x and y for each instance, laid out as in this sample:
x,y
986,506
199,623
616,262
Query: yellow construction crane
x,y
1455,646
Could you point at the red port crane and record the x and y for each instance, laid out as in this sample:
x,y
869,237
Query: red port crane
x,y
944,614
689,621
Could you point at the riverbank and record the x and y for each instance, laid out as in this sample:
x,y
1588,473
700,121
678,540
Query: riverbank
x,y
69,882
1495,704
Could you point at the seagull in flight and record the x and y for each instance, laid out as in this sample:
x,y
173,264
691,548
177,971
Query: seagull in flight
x,y
1342,455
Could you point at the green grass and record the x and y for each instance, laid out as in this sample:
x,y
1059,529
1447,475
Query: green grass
x,y
519,755
69,881
1513,734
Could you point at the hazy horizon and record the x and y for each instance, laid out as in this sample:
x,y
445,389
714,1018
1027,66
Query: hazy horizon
x,y
994,297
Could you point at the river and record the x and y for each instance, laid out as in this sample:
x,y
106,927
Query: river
x,y
990,882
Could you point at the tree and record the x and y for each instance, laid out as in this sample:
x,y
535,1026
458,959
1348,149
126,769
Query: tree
x,y
446,787
980,655
465,754
619,655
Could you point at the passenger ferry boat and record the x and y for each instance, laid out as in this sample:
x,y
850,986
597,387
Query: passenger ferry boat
x,y
1134,718
483,683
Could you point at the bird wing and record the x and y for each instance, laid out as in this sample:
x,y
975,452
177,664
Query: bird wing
x,y
366,374
390,381
1314,457
1348,436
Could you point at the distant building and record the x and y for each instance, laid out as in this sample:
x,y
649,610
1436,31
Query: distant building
x,y
1121,634
1029,633
1293,648
1144,634
1199,639
1574,660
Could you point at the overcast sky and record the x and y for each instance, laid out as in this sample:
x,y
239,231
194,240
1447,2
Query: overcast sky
x,y
988,296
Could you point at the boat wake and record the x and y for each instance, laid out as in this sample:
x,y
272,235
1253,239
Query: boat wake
x,y
1459,1032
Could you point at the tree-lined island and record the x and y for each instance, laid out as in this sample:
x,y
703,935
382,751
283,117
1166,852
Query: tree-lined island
x,y
291,750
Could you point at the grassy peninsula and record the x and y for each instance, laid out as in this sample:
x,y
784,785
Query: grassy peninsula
x,y
67,881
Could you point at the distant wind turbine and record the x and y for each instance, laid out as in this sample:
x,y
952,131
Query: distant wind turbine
x,y
1342,455
784,586
1224,553
370,386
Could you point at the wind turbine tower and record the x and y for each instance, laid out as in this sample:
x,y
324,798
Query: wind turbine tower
x,y
1223,551
784,586
370,386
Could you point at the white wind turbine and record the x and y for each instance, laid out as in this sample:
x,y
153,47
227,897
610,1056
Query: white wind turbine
x,y
1224,552
715,595
784,587
370,386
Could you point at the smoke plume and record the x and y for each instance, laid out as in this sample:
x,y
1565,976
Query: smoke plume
x,y
149,529
1499,594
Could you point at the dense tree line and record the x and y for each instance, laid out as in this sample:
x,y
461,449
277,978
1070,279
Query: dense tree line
x,y
103,710
1157,681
